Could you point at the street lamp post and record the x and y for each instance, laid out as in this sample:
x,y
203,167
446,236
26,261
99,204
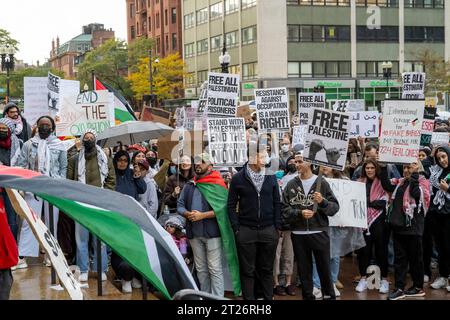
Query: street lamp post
x,y
224,59
387,73
7,61
150,62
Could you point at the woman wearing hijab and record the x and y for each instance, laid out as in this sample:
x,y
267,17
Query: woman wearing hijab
x,y
176,182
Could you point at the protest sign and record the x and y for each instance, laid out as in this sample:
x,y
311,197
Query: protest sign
x,y
272,109
222,94
326,138
413,85
88,110
349,105
400,131
365,124
203,99
298,135
35,98
227,142
351,196
308,100
440,138
427,125
180,117
53,84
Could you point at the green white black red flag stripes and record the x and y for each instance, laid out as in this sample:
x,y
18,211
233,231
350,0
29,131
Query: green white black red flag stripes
x,y
118,220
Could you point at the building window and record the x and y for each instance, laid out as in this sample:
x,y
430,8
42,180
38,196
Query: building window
x,y
385,34
293,69
424,34
216,43
249,71
231,39
202,76
317,33
373,69
329,69
189,80
150,24
157,21
166,19
189,20
132,12
174,15
424,3
215,11
247,4
189,50
231,6
174,41
379,3
249,35
413,66
132,32
202,16
167,42
234,69
202,46
158,45
319,2
137,28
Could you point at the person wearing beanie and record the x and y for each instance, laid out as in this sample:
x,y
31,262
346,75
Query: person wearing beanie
x,y
21,127
90,166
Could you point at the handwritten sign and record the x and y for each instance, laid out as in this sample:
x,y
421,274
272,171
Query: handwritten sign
x,y
440,138
35,98
298,135
365,124
427,125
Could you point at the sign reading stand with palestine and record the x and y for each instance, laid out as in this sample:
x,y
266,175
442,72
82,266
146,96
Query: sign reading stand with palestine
x,y
306,101
227,142
326,139
272,109
223,94
413,85
401,130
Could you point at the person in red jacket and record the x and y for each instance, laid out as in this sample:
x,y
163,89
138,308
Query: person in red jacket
x,y
9,256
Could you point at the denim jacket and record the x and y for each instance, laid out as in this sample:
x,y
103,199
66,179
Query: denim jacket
x,y
58,157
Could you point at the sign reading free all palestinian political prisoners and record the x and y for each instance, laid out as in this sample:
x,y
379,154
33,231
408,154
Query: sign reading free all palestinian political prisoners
x,y
326,139
88,110
308,100
227,141
413,85
222,94
401,130
272,109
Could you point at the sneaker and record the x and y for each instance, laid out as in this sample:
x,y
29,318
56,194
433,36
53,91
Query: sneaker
x,y
414,292
136,283
22,264
362,285
290,290
104,277
336,291
317,293
396,295
426,279
83,277
384,287
439,283
339,285
280,291
126,286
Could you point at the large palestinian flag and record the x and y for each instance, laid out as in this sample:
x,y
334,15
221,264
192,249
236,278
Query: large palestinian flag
x,y
213,189
118,220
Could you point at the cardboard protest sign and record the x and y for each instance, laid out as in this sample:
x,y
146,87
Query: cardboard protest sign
x,y
400,131
440,138
353,105
413,85
308,100
272,109
351,196
35,98
222,94
161,116
365,124
298,135
427,125
326,139
227,142
88,110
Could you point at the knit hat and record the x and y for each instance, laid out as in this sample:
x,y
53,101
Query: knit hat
x,y
91,131
8,123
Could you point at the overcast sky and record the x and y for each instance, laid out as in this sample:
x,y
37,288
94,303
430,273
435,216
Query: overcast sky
x,y
34,23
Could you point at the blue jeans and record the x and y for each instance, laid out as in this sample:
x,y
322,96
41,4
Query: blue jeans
x,y
208,263
82,239
334,267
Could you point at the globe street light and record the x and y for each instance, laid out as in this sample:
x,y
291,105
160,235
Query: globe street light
x,y
224,59
387,73
7,60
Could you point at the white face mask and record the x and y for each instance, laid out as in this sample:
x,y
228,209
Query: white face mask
x,y
285,148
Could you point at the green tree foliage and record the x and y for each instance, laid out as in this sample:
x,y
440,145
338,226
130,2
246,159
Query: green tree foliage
x,y
5,39
137,50
437,72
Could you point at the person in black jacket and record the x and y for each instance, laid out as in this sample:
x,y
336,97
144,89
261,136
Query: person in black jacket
x,y
22,129
310,229
254,211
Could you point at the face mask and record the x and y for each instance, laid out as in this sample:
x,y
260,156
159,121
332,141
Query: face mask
x,y
291,168
89,145
173,170
152,161
44,131
285,148
4,135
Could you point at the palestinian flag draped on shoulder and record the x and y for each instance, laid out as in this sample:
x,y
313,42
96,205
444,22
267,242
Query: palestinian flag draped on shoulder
x,y
213,189
122,109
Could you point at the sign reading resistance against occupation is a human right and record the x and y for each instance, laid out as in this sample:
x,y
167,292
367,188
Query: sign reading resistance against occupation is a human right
x,y
272,109
222,94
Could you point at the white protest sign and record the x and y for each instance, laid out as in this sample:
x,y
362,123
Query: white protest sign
x,y
88,110
49,243
349,105
298,135
272,109
222,94
35,98
365,124
351,196
227,141
308,100
413,85
401,130
180,117
326,139
440,138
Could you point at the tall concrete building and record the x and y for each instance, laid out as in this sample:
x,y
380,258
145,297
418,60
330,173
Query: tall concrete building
x,y
156,19
301,44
